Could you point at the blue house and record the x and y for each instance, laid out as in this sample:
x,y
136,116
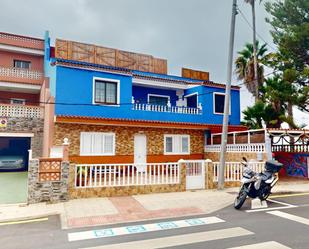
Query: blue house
x,y
119,107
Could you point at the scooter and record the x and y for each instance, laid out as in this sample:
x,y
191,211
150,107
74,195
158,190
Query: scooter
x,y
257,185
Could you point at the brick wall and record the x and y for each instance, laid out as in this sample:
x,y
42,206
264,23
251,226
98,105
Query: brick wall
x,y
125,142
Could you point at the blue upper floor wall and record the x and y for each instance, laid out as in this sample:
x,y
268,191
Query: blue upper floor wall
x,y
73,90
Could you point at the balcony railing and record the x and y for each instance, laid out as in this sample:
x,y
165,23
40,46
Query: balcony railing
x,y
19,40
167,108
260,147
21,111
20,74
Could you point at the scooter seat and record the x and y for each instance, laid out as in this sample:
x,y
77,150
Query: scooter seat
x,y
266,175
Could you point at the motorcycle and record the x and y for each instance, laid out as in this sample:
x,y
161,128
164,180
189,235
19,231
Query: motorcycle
x,y
257,185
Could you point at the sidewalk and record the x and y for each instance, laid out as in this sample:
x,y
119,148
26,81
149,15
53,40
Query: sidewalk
x,y
102,211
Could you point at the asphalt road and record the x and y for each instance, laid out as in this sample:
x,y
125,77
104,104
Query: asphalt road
x,y
284,223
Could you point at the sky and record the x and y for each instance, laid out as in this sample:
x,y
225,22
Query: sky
x,y
188,33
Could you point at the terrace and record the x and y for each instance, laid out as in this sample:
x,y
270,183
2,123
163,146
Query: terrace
x,y
19,75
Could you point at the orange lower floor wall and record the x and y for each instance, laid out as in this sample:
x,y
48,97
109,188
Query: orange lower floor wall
x,y
130,159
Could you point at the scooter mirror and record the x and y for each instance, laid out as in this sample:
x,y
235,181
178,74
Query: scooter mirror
x,y
245,159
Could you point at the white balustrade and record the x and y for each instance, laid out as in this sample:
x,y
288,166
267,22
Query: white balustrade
x,y
111,175
258,147
21,111
166,108
22,38
20,73
233,170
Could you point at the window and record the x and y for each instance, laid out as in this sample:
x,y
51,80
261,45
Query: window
x,y
18,101
158,99
219,103
22,64
106,92
97,143
192,100
176,144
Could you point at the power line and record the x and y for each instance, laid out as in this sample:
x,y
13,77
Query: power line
x,y
87,104
273,72
249,24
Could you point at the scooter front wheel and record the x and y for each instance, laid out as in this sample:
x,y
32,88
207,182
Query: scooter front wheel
x,y
240,199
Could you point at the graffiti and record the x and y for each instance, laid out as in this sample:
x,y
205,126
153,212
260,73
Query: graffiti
x,y
295,164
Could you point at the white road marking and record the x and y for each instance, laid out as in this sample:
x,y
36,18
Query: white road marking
x,y
143,228
183,239
292,217
265,245
285,206
281,203
257,203
269,209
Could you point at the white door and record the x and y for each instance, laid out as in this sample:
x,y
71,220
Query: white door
x,y
140,152
195,175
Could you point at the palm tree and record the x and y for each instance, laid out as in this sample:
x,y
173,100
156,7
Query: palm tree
x,y
255,62
245,67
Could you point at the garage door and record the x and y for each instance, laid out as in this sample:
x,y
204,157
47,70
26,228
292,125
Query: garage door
x,y
14,153
14,169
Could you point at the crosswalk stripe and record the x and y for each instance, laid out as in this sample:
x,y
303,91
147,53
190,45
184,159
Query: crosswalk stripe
x,y
264,245
143,228
179,240
290,217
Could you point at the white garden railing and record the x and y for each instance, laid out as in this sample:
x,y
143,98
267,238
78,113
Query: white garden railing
x,y
166,108
111,175
20,73
233,170
21,111
237,148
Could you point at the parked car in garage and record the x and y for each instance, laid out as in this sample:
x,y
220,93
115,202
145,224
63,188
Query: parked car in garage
x,y
13,162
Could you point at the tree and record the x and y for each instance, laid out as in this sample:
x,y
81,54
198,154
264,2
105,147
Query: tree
x,y
290,31
245,67
261,113
255,60
271,109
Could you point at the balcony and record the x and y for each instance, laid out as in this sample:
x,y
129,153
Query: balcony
x,y
21,41
239,141
20,75
21,111
167,108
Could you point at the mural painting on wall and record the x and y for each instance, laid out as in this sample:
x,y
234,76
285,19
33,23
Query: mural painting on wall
x,y
295,164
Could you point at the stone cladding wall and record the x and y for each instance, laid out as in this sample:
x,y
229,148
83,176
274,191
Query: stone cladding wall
x,y
28,125
47,191
125,137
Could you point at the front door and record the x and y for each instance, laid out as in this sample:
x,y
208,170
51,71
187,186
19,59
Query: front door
x,y
140,152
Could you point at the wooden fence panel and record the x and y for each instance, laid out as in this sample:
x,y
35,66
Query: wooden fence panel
x,y
108,56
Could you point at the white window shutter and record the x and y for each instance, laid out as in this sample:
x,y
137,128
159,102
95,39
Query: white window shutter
x,y
108,144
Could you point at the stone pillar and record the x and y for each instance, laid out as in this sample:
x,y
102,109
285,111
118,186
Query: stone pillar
x,y
65,154
33,178
183,174
209,176
47,191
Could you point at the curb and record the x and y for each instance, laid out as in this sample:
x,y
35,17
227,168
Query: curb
x,y
25,218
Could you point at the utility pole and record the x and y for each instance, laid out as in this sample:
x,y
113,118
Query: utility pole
x,y
227,100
